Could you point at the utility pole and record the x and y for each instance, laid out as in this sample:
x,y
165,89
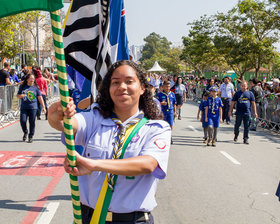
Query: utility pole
x,y
23,55
38,49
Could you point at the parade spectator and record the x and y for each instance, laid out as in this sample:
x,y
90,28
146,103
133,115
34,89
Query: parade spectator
x,y
167,100
123,99
152,89
275,83
22,74
226,92
180,94
213,115
201,112
29,94
43,86
257,91
13,77
4,75
244,100
211,83
173,82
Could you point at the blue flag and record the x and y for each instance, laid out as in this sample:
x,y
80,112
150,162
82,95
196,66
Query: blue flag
x,y
117,35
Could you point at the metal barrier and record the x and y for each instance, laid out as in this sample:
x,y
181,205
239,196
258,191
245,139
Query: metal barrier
x,y
268,110
10,104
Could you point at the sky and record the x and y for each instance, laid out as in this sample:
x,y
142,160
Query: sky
x,y
168,18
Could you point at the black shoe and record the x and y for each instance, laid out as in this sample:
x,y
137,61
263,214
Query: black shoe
x,y
246,141
30,140
38,118
235,139
171,141
179,118
24,137
253,129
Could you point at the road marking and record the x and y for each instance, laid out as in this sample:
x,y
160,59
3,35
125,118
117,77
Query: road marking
x,y
192,128
230,158
265,193
48,213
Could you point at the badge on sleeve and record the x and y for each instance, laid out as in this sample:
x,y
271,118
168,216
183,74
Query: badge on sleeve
x,y
161,144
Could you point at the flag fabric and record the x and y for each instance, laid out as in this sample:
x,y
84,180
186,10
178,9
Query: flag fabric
x,y
86,39
12,7
94,35
118,37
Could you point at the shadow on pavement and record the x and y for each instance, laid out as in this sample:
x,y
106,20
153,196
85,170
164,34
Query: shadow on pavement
x,y
14,205
56,198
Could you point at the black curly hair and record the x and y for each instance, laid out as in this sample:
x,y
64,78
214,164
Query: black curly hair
x,y
146,101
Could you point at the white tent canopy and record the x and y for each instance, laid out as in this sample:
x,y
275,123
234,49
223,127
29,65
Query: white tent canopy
x,y
156,68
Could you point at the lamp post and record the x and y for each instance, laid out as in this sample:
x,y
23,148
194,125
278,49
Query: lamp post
x,y
38,49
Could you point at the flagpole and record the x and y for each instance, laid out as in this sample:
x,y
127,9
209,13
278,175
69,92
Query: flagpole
x,y
64,97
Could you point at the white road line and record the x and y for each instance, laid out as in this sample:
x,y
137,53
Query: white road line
x,y
48,213
230,158
191,127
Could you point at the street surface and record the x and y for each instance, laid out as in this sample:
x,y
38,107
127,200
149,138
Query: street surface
x,y
232,183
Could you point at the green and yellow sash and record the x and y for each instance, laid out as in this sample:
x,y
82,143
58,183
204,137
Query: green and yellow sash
x,y
104,199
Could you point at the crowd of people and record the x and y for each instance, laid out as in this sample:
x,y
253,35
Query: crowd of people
x,y
34,87
252,100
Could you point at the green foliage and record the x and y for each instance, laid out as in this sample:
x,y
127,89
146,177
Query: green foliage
x,y
243,38
154,44
11,30
199,50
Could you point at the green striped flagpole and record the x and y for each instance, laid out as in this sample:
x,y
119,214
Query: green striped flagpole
x,y
64,97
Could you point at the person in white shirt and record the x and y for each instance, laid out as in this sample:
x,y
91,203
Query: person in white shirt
x,y
226,92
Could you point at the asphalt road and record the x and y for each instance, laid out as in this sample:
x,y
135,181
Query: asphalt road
x,y
232,183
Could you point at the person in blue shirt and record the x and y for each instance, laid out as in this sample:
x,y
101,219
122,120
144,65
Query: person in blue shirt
x,y
29,94
13,77
244,100
168,104
201,110
213,115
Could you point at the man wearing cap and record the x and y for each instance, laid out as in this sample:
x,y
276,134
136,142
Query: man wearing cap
x,y
226,91
168,104
152,87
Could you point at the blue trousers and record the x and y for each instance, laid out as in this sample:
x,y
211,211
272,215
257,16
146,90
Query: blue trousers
x,y
31,114
246,118
226,103
40,106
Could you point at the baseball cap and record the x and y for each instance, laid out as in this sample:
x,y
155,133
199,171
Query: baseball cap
x,y
151,81
213,88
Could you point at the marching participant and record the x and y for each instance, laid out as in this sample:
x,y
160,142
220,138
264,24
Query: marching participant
x,y
123,108
168,104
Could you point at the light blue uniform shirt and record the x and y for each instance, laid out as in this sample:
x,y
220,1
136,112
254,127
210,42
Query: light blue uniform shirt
x,y
98,135
227,90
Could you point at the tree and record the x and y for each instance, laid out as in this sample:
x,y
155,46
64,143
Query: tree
x,y
10,43
199,50
259,29
154,44
230,45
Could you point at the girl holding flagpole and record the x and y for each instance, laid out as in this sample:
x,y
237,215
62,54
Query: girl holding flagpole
x,y
126,148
